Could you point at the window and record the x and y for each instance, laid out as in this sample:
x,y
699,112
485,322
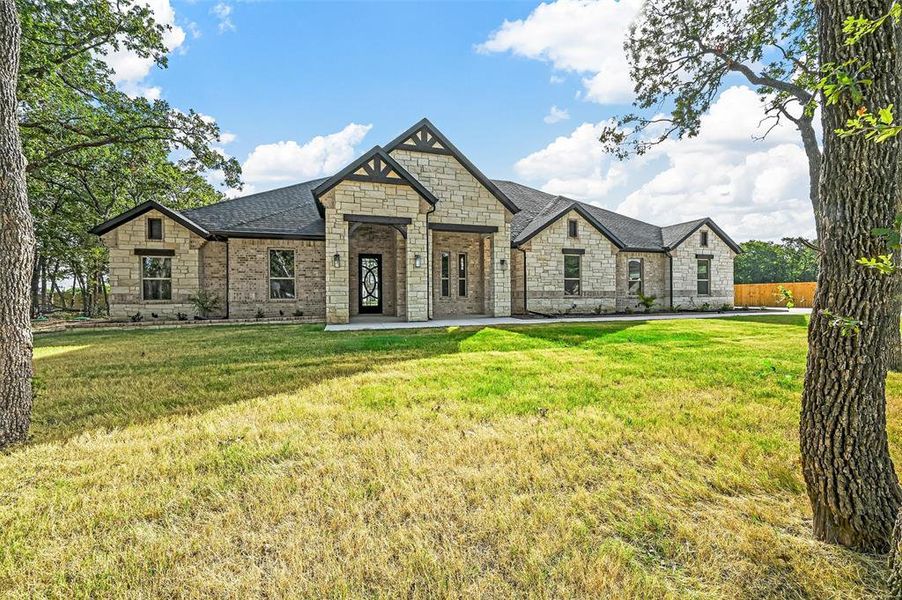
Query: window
x,y
446,274
155,229
704,276
571,274
156,278
703,241
281,274
461,275
572,228
634,286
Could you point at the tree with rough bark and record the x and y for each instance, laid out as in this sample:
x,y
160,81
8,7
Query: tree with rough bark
x,y
16,245
852,484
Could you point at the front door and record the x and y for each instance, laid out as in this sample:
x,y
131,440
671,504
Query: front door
x,y
369,276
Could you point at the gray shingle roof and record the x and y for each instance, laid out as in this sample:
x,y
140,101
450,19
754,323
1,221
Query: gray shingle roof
x,y
292,210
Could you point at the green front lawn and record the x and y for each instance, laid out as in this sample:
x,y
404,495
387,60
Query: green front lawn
x,y
627,459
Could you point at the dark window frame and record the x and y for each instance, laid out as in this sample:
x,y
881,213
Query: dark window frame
x,y
698,278
445,275
569,292
462,275
167,260
292,278
629,276
572,228
703,239
148,229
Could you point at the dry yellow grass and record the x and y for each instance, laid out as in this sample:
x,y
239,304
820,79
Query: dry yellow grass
x,y
645,460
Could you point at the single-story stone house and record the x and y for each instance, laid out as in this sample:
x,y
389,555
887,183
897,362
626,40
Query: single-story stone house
x,y
411,230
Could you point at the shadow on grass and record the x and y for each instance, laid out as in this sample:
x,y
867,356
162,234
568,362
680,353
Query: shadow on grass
x,y
101,380
784,319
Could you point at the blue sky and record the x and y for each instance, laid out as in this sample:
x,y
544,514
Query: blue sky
x,y
301,87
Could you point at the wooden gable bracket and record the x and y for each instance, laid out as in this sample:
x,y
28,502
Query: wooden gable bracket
x,y
424,140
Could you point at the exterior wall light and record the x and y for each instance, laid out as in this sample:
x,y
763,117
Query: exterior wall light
x,y
417,261
336,260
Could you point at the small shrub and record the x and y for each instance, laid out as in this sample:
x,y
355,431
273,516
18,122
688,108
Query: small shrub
x,y
727,307
205,302
785,297
259,314
154,315
705,307
281,313
136,318
181,316
647,302
298,313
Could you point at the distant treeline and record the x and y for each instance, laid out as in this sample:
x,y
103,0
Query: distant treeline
x,y
791,259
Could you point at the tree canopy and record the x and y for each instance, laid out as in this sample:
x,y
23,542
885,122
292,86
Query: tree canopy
x,y
792,259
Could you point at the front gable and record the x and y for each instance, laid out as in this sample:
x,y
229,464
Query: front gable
x,y
441,167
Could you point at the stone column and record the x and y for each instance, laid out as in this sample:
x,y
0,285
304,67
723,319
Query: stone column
x,y
501,272
337,278
417,277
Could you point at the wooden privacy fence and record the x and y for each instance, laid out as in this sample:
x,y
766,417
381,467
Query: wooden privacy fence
x,y
765,294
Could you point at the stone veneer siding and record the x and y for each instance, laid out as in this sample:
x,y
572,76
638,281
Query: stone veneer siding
x,y
213,273
463,200
455,244
655,280
377,199
685,272
125,267
249,278
386,241
545,269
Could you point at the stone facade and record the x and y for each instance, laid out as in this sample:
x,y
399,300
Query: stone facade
x,y
374,199
685,272
248,265
655,280
545,269
126,295
375,208
464,200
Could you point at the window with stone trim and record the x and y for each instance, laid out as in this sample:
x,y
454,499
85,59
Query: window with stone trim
x,y
572,228
281,274
635,275
462,275
703,239
572,274
704,276
155,229
156,278
446,274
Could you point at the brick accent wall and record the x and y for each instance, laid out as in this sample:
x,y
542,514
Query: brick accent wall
x,y
473,246
125,267
545,269
655,279
383,240
249,278
685,272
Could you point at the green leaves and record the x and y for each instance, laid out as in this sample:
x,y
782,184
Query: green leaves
x,y
875,127
848,326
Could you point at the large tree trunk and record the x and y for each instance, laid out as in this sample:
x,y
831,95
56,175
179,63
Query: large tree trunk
x,y
16,246
851,482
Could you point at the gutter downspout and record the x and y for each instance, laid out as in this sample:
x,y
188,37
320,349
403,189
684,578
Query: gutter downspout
x,y
428,260
227,290
670,264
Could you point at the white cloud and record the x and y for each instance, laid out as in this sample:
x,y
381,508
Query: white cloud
x,y
556,115
129,69
578,36
223,12
195,30
286,162
556,79
227,137
754,189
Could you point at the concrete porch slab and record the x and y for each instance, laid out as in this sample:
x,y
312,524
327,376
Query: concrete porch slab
x,y
476,321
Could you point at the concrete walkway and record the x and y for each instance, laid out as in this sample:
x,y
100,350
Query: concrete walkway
x,y
369,322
